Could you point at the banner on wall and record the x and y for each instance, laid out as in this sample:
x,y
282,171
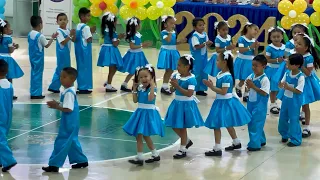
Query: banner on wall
x,y
49,11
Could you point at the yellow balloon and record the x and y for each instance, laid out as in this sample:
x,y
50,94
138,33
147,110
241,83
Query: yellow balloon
x,y
95,10
154,2
167,11
303,18
300,6
126,2
125,12
112,8
141,13
284,7
153,13
316,5
95,1
169,3
315,18
110,1
285,22
142,2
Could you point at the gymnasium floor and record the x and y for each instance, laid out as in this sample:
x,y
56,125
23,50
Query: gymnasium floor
x,y
108,148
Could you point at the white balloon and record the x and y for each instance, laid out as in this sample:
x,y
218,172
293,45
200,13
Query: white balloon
x,y
160,4
292,14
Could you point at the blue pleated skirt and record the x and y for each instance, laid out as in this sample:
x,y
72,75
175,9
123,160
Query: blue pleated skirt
x,y
211,67
110,56
270,72
242,68
14,70
276,78
168,59
132,60
311,90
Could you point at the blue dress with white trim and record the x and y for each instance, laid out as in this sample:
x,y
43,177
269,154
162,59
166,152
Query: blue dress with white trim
x,y
146,120
272,68
289,46
227,110
109,54
183,111
14,70
243,63
134,57
168,55
211,67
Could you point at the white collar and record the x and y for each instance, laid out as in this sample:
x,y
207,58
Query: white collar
x,y
292,41
141,88
6,35
255,78
4,84
293,76
178,77
248,40
306,55
224,40
203,35
292,51
220,74
138,35
106,30
168,31
72,88
283,47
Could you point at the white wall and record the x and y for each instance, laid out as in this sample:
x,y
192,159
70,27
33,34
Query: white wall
x,y
9,8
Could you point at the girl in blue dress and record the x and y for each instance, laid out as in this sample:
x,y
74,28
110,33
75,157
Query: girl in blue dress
x,y
109,53
275,52
248,48
146,120
226,111
169,55
134,57
6,48
183,112
198,47
223,42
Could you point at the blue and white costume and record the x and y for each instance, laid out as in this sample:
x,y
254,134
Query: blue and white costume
x,y
169,55
134,57
63,57
211,67
67,142
14,71
109,54
257,106
200,59
289,125
289,46
146,120
274,52
183,111
226,110
6,95
243,63
83,52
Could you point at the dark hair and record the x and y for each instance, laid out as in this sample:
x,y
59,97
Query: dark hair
x,y
71,72
185,62
35,21
3,67
245,28
165,21
152,72
83,11
296,59
305,30
110,24
276,29
220,25
312,51
196,20
230,65
131,29
261,59
2,29
61,14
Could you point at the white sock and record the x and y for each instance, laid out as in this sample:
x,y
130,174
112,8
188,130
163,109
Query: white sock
x,y
155,153
236,141
217,147
246,94
165,85
238,87
108,86
124,84
183,148
140,156
302,114
306,127
273,105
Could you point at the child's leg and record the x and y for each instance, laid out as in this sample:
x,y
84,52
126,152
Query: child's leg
x,y
6,155
61,150
112,72
177,131
283,124
295,133
76,155
124,85
236,144
239,88
274,109
55,84
155,153
165,85
217,147
184,136
306,128
139,158
36,78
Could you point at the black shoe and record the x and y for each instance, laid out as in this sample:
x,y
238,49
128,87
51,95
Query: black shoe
x,y
263,144
303,121
166,91
37,97
253,149
239,92
50,169
6,169
136,162
111,90
84,92
80,165
53,91
275,110
14,98
180,155
213,153
152,159
245,99
233,147
306,133
201,93
284,140
125,89
290,144
189,144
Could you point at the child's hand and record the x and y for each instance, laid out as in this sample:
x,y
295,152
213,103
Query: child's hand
x,y
93,29
72,32
174,83
208,83
53,104
16,46
184,40
121,36
152,83
280,59
281,84
146,44
256,44
54,35
286,86
209,43
231,47
135,85
249,83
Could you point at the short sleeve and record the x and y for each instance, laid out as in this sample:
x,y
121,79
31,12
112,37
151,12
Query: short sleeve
x,y
227,81
241,42
164,34
249,77
301,82
43,41
115,36
217,42
194,41
265,85
68,101
192,83
136,39
309,61
207,37
8,42
268,51
86,32
60,37
288,47
155,92
284,77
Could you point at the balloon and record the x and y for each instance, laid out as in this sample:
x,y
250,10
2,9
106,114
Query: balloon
x,y
153,13
160,4
95,1
315,18
133,4
84,3
75,19
154,2
300,6
75,2
167,11
95,11
126,12
169,3
76,10
110,1
316,5
112,8
2,4
103,6
303,18
126,1
285,22
284,7
2,10
2,16
141,13
143,2
292,14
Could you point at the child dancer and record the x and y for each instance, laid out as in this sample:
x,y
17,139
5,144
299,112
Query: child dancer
x,y
183,112
259,86
198,47
109,53
223,42
37,42
67,143
275,52
248,48
7,47
63,46
146,120
169,55
292,98
134,57
226,111
6,95
83,51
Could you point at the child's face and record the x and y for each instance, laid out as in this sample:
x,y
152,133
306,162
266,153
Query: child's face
x,y
86,18
183,69
144,77
276,37
62,21
221,63
300,45
170,25
66,80
223,31
257,67
199,27
296,31
253,31
7,30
